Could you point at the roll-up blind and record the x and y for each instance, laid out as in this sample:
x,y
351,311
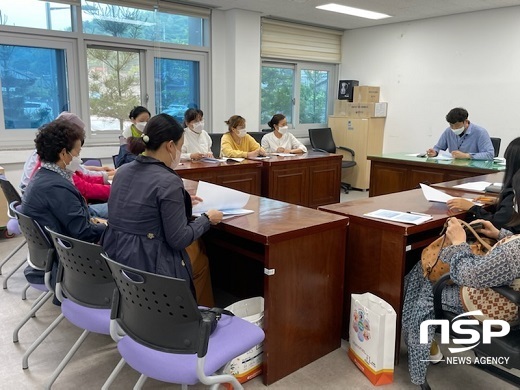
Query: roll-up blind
x,y
285,40
163,6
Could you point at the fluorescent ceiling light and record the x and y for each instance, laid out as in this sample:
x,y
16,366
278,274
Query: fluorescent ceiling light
x,y
343,9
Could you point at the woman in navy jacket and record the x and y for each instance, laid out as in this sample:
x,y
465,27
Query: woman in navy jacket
x,y
149,210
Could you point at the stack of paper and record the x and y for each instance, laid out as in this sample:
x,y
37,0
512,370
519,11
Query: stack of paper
x,y
474,186
227,200
433,195
399,216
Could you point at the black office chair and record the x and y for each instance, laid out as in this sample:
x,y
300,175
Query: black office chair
x,y
257,135
215,143
496,144
267,130
114,159
508,345
322,141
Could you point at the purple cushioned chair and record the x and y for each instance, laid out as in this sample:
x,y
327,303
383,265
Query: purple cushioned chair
x,y
85,287
11,195
41,257
161,333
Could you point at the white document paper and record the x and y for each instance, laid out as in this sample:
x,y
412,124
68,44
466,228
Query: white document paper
x,y
443,155
283,154
218,198
399,216
433,195
475,186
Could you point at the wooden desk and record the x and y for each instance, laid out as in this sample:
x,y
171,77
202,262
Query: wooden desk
x,y
293,256
244,176
497,177
398,172
311,179
380,253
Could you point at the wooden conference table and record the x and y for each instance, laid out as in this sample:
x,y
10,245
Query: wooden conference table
x,y
398,172
380,253
311,179
294,257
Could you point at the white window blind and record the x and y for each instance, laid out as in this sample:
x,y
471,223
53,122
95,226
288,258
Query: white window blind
x,y
284,40
162,6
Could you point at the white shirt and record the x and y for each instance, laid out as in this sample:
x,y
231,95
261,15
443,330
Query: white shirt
x,y
288,141
195,143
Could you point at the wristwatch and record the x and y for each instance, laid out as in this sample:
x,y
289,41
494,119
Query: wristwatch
x,y
205,215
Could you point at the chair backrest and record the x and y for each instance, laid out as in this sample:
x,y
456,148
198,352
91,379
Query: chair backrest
x,y
41,251
93,162
114,159
257,135
155,310
10,193
215,143
496,144
267,130
84,275
322,139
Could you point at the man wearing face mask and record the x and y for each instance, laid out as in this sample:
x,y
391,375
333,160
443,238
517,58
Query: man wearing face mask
x,y
280,140
463,139
150,212
197,142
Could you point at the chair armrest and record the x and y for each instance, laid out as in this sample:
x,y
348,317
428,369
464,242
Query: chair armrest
x,y
437,295
509,293
319,150
204,333
346,150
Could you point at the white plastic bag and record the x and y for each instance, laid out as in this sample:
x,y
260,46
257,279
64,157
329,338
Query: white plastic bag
x,y
372,337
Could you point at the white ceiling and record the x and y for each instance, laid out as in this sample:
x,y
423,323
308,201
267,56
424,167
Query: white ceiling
x,y
400,10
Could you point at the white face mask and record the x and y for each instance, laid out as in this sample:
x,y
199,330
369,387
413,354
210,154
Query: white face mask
x,y
283,129
74,164
140,126
176,160
242,133
458,131
198,127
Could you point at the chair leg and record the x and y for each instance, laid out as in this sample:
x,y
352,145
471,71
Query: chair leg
x,y
39,340
12,273
27,317
13,252
40,297
66,359
140,382
114,374
24,293
184,387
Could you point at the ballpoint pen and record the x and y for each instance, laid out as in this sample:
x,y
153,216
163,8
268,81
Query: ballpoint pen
x,y
416,213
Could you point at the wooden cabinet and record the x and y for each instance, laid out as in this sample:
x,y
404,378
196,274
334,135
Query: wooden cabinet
x,y
365,137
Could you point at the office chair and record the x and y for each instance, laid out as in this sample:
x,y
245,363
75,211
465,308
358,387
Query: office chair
x,y
215,143
41,258
257,135
114,159
166,338
84,286
267,130
508,345
11,195
496,144
322,141
92,162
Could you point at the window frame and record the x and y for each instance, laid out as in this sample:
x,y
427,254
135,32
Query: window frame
x,y
302,129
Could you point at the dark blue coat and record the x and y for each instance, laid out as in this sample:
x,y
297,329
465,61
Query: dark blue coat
x,y
149,214
54,201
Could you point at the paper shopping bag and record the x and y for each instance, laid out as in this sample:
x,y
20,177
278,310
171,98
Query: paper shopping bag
x,y
372,337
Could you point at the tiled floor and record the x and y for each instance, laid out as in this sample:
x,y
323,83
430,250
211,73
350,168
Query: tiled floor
x,y
98,356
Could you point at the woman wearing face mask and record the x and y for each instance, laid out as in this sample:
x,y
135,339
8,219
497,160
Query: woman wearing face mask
x,y
280,140
197,142
237,143
51,197
150,211
139,115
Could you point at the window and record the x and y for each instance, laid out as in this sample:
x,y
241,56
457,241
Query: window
x,y
176,86
114,86
43,14
135,23
34,85
301,91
